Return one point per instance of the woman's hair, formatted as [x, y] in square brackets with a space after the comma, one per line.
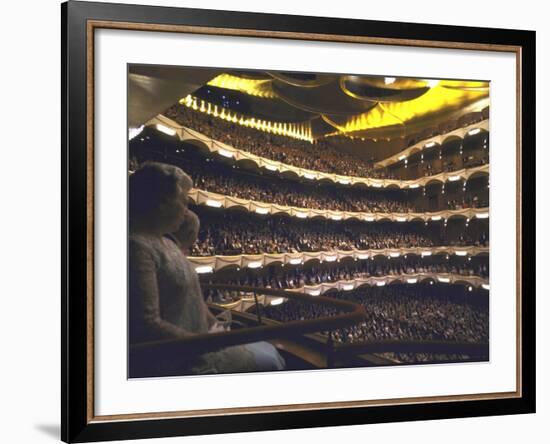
[153, 184]
[188, 230]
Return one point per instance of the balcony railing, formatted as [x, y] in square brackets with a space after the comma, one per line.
[352, 314]
[201, 343]
[229, 152]
[216, 200]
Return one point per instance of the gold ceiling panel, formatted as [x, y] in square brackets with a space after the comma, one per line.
[375, 118]
[253, 87]
[437, 100]
[465, 85]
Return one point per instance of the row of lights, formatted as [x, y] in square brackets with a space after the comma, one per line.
[299, 131]
[406, 161]
[172, 132]
[431, 144]
[204, 269]
[218, 204]
[349, 287]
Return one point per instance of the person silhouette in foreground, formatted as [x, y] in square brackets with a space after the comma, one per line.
[165, 298]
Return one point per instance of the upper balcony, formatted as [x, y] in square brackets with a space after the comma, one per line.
[188, 135]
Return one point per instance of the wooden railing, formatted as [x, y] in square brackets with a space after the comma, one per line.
[351, 314]
[201, 343]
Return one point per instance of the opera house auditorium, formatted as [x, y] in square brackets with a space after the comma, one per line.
[283, 221]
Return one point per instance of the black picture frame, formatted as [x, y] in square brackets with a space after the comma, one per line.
[77, 422]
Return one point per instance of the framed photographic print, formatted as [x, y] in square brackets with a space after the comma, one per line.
[277, 221]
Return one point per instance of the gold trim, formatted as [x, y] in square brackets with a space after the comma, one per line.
[91, 26]
[301, 407]
[298, 36]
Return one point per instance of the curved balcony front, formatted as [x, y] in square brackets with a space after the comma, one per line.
[459, 133]
[215, 200]
[248, 299]
[170, 127]
[208, 264]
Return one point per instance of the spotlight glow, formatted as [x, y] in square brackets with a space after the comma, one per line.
[213, 203]
[225, 153]
[166, 130]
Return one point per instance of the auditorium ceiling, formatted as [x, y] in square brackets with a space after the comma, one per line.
[358, 106]
[378, 109]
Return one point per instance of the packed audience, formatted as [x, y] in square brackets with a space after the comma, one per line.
[218, 177]
[232, 233]
[432, 168]
[290, 278]
[448, 126]
[468, 201]
[318, 156]
[398, 312]
[321, 155]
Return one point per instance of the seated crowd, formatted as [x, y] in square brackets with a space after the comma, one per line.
[428, 168]
[232, 233]
[221, 178]
[218, 177]
[290, 278]
[322, 155]
[448, 126]
[318, 156]
[467, 202]
[398, 312]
